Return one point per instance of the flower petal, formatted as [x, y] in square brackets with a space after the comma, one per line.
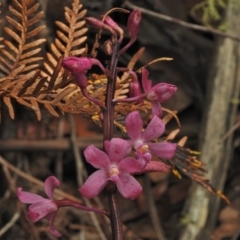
[129, 149]
[94, 184]
[41, 209]
[156, 108]
[27, 197]
[106, 146]
[164, 91]
[131, 165]
[156, 166]
[96, 157]
[134, 125]
[163, 150]
[118, 149]
[128, 186]
[49, 185]
[154, 129]
[52, 229]
[80, 79]
[146, 83]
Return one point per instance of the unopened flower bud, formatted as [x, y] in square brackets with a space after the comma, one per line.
[110, 22]
[134, 86]
[77, 64]
[94, 22]
[133, 23]
[134, 89]
[80, 64]
[162, 92]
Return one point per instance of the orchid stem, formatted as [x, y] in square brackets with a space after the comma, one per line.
[108, 122]
[67, 203]
[85, 94]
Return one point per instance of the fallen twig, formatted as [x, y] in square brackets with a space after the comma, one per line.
[180, 22]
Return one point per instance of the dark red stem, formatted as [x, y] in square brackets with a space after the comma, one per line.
[108, 121]
[68, 203]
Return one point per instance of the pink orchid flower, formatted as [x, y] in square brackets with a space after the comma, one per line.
[113, 166]
[77, 66]
[141, 141]
[157, 94]
[42, 207]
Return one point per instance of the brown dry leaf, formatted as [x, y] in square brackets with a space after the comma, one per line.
[9, 105]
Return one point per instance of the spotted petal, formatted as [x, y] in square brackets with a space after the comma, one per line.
[156, 108]
[130, 165]
[118, 149]
[96, 157]
[163, 150]
[156, 166]
[154, 129]
[128, 186]
[106, 146]
[94, 184]
[134, 125]
[146, 83]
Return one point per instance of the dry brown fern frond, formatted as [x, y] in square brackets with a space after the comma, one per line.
[35, 88]
[65, 96]
[69, 37]
[19, 54]
[55, 89]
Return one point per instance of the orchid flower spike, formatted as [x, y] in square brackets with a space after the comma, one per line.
[42, 207]
[141, 141]
[157, 94]
[113, 166]
[47, 207]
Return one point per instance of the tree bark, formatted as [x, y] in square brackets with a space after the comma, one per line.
[224, 85]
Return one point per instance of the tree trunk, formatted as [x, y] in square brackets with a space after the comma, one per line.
[224, 85]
